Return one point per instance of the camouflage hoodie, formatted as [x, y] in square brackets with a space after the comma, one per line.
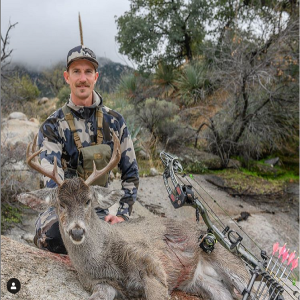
[56, 139]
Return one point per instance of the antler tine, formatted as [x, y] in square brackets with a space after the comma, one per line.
[115, 158]
[33, 148]
[34, 164]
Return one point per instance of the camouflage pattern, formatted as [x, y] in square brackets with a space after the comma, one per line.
[44, 222]
[82, 52]
[56, 140]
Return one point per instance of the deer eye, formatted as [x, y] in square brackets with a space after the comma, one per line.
[62, 206]
[88, 202]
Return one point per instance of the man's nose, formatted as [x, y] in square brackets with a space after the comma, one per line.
[82, 77]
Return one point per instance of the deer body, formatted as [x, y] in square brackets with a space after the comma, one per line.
[138, 259]
[141, 258]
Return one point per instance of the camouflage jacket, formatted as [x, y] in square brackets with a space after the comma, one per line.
[56, 139]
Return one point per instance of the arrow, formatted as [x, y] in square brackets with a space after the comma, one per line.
[275, 249]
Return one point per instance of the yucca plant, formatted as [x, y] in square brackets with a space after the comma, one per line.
[134, 131]
[192, 83]
[165, 76]
[128, 85]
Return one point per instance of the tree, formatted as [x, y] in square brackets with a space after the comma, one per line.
[53, 78]
[6, 52]
[259, 71]
[168, 31]
[15, 88]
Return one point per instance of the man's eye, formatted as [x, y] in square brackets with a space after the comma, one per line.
[88, 202]
[62, 206]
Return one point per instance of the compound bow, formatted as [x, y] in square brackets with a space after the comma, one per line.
[270, 271]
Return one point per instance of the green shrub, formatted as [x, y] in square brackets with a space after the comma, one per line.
[63, 96]
[9, 216]
[196, 167]
[12, 184]
[28, 90]
[161, 119]
[16, 91]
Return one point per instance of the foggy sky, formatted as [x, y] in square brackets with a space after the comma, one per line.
[48, 29]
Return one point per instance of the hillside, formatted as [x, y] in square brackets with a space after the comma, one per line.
[109, 75]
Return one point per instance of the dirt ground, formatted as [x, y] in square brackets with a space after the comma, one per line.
[270, 220]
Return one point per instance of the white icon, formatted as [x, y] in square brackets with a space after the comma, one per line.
[13, 287]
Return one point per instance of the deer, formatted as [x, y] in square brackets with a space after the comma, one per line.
[143, 258]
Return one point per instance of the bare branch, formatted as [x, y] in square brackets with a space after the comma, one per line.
[6, 52]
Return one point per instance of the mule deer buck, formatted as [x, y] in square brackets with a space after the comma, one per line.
[140, 258]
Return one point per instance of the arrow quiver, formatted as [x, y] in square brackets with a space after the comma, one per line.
[271, 286]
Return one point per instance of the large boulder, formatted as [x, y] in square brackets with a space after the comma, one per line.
[190, 157]
[16, 115]
[15, 131]
[43, 275]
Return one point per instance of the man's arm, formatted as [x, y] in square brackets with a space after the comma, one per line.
[50, 143]
[130, 174]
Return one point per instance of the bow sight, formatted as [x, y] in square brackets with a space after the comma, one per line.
[271, 286]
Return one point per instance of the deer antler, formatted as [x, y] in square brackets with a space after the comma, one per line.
[34, 164]
[115, 158]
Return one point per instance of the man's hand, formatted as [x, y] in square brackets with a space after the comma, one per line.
[113, 219]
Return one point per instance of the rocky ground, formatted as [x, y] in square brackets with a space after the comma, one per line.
[269, 221]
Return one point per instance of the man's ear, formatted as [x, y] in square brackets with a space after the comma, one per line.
[39, 200]
[96, 76]
[66, 76]
[104, 197]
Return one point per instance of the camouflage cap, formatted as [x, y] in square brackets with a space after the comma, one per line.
[81, 52]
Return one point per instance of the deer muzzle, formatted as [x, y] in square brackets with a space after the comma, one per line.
[77, 235]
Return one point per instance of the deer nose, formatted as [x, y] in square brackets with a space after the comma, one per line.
[77, 234]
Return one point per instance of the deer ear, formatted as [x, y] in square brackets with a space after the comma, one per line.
[39, 200]
[105, 197]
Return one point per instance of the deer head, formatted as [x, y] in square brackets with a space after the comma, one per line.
[73, 199]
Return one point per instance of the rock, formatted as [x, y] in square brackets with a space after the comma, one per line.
[28, 237]
[18, 116]
[43, 275]
[243, 217]
[215, 180]
[43, 100]
[143, 155]
[190, 157]
[16, 130]
[153, 172]
[266, 170]
[273, 161]
[34, 120]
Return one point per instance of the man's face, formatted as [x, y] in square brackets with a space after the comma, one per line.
[81, 77]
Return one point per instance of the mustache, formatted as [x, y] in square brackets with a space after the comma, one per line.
[80, 85]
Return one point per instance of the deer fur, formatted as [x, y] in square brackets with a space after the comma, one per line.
[143, 258]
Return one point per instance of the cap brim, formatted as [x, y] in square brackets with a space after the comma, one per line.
[94, 62]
